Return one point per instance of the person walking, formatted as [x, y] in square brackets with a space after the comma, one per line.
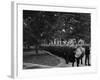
[79, 53]
[87, 56]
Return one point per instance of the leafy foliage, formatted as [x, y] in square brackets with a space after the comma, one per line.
[43, 25]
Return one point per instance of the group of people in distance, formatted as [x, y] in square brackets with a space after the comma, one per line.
[78, 53]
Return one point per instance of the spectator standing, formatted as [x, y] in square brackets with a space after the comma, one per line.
[87, 56]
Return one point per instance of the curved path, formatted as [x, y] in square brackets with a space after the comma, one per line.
[32, 65]
[61, 64]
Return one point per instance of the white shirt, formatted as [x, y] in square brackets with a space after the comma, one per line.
[79, 51]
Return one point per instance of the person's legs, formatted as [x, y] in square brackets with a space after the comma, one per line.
[77, 60]
[81, 60]
[86, 59]
[73, 59]
[72, 64]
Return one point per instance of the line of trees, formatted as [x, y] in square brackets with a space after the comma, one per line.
[43, 25]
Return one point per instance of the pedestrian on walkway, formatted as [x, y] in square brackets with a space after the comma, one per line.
[87, 55]
[79, 53]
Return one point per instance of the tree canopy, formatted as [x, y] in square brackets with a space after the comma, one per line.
[44, 25]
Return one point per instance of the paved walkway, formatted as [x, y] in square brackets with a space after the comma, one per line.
[28, 65]
[61, 64]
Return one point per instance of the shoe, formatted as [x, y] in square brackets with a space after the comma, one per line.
[89, 64]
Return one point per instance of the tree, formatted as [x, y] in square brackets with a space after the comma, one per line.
[37, 27]
[43, 25]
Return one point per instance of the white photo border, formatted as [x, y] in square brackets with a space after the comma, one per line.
[17, 52]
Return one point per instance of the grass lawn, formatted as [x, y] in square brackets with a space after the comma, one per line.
[42, 59]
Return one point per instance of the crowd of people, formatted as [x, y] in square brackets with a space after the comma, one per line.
[77, 54]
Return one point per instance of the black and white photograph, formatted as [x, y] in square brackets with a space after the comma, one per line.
[54, 39]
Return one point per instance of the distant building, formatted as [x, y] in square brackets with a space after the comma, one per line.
[71, 42]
